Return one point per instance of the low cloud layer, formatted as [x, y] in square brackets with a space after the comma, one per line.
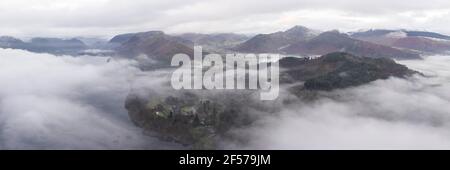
[50, 102]
[386, 114]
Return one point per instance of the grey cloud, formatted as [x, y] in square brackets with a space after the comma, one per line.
[108, 17]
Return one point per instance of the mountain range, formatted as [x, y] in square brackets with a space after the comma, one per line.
[45, 45]
[296, 41]
[419, 41]
[305, 42]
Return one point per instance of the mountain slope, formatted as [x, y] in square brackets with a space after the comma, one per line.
[219, 43]
[421, 41]
[340, 70]
[333, 41]
[156, 45]
[275, 42]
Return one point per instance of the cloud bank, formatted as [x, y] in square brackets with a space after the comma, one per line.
[49, 102]
[386, 114]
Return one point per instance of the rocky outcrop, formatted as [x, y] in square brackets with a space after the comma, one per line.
[194, 120]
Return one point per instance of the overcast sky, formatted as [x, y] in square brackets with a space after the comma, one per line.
[64, 18]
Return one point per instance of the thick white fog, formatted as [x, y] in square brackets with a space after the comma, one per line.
[50, 102]
[386, 114]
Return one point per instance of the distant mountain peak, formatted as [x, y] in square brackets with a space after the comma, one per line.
[155, 44]
[272, 43]
[122, 38]
[298, 28]
[332, 35]
[301, 32]
[151, 33]
[9, 39]
[335, 33]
